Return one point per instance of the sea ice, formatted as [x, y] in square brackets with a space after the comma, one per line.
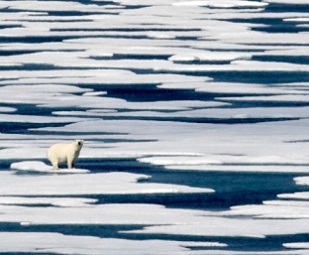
[32, 242]
[296, 195]
[302, 180]
[43, 201]
[222, 3]
[79, 183]
[287, 1]
[68, 66]
[297, 245]
[7, 109]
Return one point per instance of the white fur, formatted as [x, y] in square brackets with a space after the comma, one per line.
[64, 152]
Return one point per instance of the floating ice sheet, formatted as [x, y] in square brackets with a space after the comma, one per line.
[54, 6]
[302, 245]
[43, 201]
[222, 3]
[232, 227]
[32, 242]
[231, 146]
[163, 220]
[66, 58]
[7, 109]
[71, 182]
[302, 180]
[274, 209]
[287, 1]
[296, 195]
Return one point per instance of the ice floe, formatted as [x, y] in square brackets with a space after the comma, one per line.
[164, 220]
[44, 201]
[222, 4]
[74, 70]
[39, 166]
[296, 195]
[220, 226]
[286, 1]
[32, 242]
[79, 183]
[226, 146]
[43, 6]
[7, 109]
[274, 209]
[296, 245]
[302, 180]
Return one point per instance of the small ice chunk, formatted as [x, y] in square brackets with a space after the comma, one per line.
[31, 166]
[39, 166]
[296, 245]
[7, 109]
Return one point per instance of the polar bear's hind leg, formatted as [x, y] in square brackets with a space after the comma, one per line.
[56, 165]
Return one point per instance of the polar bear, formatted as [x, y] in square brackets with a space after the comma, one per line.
[64, 152]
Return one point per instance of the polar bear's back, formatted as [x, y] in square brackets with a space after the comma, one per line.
[59, 151]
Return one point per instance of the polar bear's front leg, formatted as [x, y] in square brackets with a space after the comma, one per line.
[70, 163]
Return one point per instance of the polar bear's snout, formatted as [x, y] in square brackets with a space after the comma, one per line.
[80, 142]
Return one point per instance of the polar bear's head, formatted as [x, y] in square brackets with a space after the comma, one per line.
[79, 143]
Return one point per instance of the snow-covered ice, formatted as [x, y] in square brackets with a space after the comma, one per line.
[164, 93]
[66, 244]
[38, 166]
[76, 182]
